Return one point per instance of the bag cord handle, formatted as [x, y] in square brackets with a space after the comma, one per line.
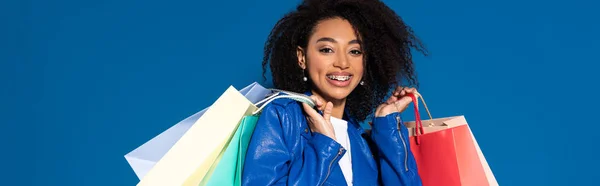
[419, 124]
[291, 95]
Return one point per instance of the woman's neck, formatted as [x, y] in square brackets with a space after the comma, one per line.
[338, 105]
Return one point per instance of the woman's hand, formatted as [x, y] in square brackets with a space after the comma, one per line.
[398, 102]
[318, 123]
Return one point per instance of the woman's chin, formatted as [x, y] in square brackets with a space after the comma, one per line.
[338, 94]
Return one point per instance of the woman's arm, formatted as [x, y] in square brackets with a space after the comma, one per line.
[269, 157]
[397, 164]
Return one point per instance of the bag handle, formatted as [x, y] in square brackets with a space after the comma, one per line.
[415, 97]
[289, 92]
[418, 122]
[291, 95]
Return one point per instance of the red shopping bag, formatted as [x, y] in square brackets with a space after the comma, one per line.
[446, 151]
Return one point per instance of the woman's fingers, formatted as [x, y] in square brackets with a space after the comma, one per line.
[400, 92]
[397, 91]
[310, 111]
[392, 99]
[327, 111]
[403, 103]
[318, 102]
[311, 115]
[318, 123]
[407, 91]
[397, 102]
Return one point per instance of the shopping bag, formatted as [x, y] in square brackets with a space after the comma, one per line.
[446, 151]
[191, 157]
[229, 168]
[144, 157]
[194, 156]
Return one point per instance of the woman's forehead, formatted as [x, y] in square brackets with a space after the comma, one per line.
[337, 29]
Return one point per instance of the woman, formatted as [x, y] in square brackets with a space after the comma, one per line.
[348, 55]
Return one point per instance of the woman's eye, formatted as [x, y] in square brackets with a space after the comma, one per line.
[326, 50]
[356, 52]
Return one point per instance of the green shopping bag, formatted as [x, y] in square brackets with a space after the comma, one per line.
[228, 170]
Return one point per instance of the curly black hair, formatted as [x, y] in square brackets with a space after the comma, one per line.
[385, 38]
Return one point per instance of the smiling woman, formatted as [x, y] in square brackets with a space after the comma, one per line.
[347, 55]
[336, 61]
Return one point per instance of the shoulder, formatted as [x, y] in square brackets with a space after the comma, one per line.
[286, 114]
[285, 102]
[281, 108]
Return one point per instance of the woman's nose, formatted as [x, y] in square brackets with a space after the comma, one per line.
[341, 61]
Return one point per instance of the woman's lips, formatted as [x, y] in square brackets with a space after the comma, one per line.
[339, 81]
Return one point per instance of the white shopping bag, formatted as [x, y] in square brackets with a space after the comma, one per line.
[143, 158]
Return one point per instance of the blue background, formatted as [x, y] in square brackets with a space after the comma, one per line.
[83, 83]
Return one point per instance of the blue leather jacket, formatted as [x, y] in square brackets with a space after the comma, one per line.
[284, 151]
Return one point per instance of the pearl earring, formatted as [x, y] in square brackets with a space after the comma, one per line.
[304, 78]
[362, 83]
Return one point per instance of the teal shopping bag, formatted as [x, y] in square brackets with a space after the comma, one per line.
[228, 170]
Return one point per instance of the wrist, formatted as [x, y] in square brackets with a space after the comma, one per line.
[328, 134]
[385, 114]
[387, 122]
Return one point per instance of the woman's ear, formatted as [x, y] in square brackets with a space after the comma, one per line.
[300, 53]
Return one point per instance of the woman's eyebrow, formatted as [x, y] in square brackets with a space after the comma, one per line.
[328, 39]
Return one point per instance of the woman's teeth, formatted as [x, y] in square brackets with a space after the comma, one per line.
[339, 78]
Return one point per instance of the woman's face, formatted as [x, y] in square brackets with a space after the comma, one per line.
[333, 59]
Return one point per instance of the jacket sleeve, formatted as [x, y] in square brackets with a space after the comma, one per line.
[268, 158]
[397, 165]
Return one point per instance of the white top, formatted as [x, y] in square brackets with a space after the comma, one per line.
[340, 128]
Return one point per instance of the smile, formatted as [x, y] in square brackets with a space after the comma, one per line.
[339, 78]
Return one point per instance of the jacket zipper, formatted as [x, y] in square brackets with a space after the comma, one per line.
[331, 164]
[403, 143]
